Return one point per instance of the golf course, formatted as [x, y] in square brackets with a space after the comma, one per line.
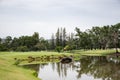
[10, 71]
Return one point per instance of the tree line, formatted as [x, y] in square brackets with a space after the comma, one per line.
[23, 43]
[99, 37]
[105, 37]
[96, 38]
[62, 40]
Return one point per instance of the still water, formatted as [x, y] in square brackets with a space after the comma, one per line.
[87, 68]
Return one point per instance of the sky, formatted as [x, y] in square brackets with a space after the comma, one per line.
[24, 17]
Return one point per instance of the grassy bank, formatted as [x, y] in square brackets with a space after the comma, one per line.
[95, 52]
[9, 71]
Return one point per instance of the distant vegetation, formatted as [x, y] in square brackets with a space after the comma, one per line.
[105, 37]
[92, 42]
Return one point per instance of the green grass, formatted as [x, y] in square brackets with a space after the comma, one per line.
[12, 72]
[96, 52]
[8, 71]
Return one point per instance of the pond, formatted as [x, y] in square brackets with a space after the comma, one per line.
[87, 68]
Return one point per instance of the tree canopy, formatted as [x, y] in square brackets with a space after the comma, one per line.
[99, 37]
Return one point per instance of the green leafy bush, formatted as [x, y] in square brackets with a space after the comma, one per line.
[58, 49]
[22, 48]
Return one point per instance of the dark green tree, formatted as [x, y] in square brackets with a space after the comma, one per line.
[64, 37]
[42, 45]
[52, 44]
[61, 37]
[58, 38]
[22, 48]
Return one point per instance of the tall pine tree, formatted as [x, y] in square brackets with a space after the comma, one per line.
[58, 38]
[64, 37]
[52, 42]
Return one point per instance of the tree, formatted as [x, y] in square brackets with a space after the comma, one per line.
[96, 37]
[64, 37]
[83, 39]
[28, 41]
[8, 41]
[22, 48]
[58, 48]
[61, 37]
[99, 37]
[15, 43]
[58, 38]
[70, 42]
[115, 36]
[0, 40]
[42, 45]
[36, 37]
[52, 44]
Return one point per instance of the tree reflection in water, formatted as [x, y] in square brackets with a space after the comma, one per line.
[102, 68]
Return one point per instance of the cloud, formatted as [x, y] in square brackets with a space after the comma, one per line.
[38, 15]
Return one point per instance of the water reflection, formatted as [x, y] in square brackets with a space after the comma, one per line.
[87, 68]
[58, 71]
[101, 67]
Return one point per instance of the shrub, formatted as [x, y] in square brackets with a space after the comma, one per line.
[58, 49]
[22, 48]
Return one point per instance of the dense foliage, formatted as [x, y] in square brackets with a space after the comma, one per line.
[105, 37]
[99, 37]
[23, 43]
[96, 38]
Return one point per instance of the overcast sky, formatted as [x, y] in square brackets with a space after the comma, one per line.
[24, 17]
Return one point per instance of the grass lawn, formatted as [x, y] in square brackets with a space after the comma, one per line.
[96, 52]
[8, 71]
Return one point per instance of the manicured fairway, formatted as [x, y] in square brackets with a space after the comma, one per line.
[95, 52]
[9, 71]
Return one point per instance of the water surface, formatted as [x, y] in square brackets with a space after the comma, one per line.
[87, 68]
